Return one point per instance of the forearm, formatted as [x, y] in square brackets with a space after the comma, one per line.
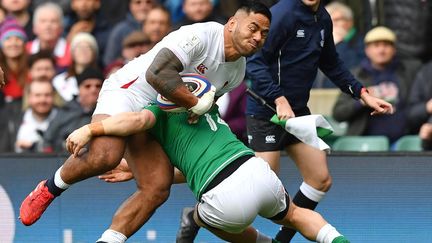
[163, 76]
[123, 124]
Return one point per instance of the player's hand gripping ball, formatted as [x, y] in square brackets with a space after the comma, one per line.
[197, 85]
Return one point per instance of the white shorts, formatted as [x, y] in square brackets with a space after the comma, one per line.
[113, 100]
[253, 189]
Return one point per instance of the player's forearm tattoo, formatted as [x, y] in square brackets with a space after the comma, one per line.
[163, 73]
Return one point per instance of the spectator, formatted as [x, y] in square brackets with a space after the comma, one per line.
[84, 51]
[420, 106]
[362, 13]
[76, 112]
[410, 20]
[138, 10]
[157, 24]
[348, 41]
[36, 118]
[13, 60]
[48, 28]
[42, 66]
[20, 10]
[197, 11]
[385, 76]
[135, 44]
[64, 4]
[86, 17]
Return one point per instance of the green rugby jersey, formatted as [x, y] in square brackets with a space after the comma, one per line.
[199, 150]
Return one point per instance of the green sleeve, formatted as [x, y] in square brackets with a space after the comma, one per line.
[157, 112]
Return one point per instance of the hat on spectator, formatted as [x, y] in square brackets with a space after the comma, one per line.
[135, 38]
[380, 33]
[10, 27]
[89, 73]
[84, 37]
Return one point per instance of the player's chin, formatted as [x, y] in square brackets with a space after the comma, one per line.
[249, 52]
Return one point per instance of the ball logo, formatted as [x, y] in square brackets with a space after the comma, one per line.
[195, 83]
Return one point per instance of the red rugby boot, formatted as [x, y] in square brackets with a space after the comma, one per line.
[35, 204]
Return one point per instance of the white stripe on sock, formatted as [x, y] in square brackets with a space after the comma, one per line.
[58, 180]
[311, 193]
[112, 236]
[327, 234]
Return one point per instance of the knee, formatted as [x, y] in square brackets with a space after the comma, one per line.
[321, 183]
[155, 195]
[104, 160]
[325, 183]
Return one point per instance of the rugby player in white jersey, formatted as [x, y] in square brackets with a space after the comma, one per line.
[209, 49]
[230, 183]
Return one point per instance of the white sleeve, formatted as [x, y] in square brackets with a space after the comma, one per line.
[189, 45]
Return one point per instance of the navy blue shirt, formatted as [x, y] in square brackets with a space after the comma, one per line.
[299, 42]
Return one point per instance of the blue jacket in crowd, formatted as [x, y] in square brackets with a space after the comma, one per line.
[299, 42]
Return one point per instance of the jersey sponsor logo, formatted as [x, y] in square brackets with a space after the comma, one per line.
[188, 44]
[300, 34]
[126, 85]
[270, 139]
[201, 68]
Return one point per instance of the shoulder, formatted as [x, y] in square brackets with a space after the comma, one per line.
[205, 32]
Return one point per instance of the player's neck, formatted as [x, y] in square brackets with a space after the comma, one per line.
[231, 54]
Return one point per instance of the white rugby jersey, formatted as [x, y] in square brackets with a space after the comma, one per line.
[200, 48]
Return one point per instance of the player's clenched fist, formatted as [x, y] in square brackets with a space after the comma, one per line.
[205, 102]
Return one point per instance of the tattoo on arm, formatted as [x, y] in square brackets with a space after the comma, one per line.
[163, 73]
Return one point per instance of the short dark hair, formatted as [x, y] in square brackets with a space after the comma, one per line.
[43, 54]
[254, 6]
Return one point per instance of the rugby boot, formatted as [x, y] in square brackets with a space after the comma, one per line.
[188, 228]
[35, 204]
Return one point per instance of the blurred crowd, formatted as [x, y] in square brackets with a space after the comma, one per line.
[56, 55]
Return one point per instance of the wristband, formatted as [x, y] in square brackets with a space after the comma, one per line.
[96, 128]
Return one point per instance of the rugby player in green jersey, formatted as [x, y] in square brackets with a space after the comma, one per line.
[232, 186]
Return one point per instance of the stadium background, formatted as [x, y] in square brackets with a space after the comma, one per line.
[376, 197]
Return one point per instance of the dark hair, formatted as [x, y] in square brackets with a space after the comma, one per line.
[253, 6]
[43, 54]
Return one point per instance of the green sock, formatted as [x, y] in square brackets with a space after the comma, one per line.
[275, 241]
[340, 239]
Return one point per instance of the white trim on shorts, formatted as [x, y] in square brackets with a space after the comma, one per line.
[253, 189]
[112, 101]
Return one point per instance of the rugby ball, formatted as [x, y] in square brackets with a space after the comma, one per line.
[196, 84]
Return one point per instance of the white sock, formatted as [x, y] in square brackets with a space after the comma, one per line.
[261, 238]
[311, 193]
[327, 234]
[112, 236]
[58, 180]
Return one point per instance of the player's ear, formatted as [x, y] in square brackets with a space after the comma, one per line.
[231, 23]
